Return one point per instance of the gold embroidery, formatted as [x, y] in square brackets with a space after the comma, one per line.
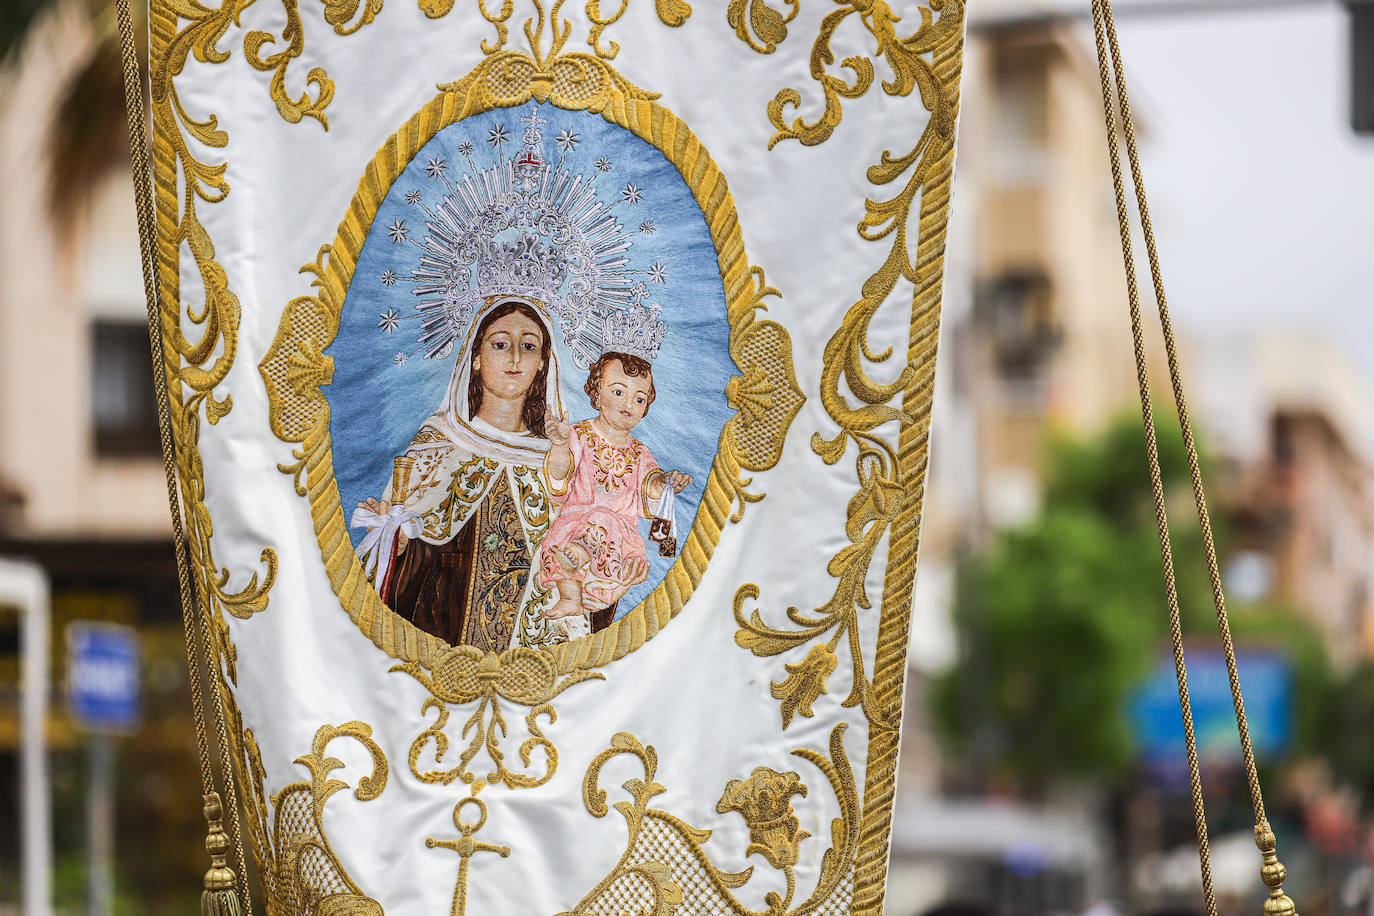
[805, 681]
[337, 13]
[750, 441]
[905, 55]
[195, 368]
[665, 856]
[762, 20]
[670, 12]
[612, 463]
[301, 873]
[891, 479]
[887, 485]
[523, 676]
[534, 505]
[469, 483]
[466, 847]
[180, 175]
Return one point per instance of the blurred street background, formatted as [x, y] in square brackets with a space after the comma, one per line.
[1043, 761]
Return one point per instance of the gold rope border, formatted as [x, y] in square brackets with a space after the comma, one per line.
[622, 105]
[913, 451]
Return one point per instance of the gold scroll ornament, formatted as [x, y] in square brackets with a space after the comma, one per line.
[301, 873]
[665, 868]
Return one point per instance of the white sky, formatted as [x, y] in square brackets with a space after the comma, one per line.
[1263, 197]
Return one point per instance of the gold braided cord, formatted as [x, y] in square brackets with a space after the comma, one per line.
[1156, 475]
[1175, 378]
[913, 450]
[199, 659]
[1272, 872]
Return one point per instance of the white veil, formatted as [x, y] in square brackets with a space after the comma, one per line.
[448, 441]
[477, 436]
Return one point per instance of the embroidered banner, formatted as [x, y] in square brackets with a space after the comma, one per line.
[551, 388]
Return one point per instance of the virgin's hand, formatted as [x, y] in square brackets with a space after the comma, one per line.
[679, 480]
[383, 507]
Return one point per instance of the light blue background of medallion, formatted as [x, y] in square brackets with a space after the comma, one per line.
[376, 405]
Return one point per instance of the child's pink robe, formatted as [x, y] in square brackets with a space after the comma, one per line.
[600, 508]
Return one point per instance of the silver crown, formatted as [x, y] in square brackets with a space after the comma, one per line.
[638, 331]
[531, 228]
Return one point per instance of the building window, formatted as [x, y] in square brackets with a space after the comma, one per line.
[1013, 313]
[124, 414]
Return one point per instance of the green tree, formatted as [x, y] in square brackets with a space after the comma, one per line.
[1063, 617]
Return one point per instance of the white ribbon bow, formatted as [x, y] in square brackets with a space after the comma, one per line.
[376, 548]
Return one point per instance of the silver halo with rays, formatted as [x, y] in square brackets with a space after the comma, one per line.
[529, 228]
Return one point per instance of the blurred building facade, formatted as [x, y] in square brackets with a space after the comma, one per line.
[1288, 417]
[1036, 341]
[82, 487]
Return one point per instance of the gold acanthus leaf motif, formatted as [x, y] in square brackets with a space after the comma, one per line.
[870, 514]
[755, 17]
[520, 675]
[804, 683]
[666, 864]
[904, 54]
[886, 488]
[338, 13]
[196, 367]
[301, 873]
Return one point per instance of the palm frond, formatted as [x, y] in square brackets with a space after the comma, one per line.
[88, 138]
[18, 20]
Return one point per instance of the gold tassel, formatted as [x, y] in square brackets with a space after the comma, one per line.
[1273, 873]
[221, 895]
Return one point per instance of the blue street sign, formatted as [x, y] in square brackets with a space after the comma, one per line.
[1265, 678]
[103, 677]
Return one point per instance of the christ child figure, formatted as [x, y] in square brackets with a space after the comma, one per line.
[604, 480]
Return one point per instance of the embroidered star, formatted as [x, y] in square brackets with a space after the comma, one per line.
[437, 167]
[391, 320]
[398, 231]
[658, 273]
[465, 148]
[603, 164]
[647, 227]
[498, 135]
[632, 194]
[400, 358]
[388, 277]
[413, 197]
[567, 140]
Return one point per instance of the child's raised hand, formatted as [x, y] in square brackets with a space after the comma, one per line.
[558, 430]
[679, 480]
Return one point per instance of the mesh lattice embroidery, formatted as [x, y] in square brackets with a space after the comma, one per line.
[767, 414]
[702, 895]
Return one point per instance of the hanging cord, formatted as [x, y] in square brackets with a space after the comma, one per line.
[1271, 871]
[224, 888]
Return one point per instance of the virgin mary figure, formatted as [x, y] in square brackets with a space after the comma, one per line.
[451, 541]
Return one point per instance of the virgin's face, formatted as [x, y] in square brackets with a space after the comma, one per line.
[508, 356]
